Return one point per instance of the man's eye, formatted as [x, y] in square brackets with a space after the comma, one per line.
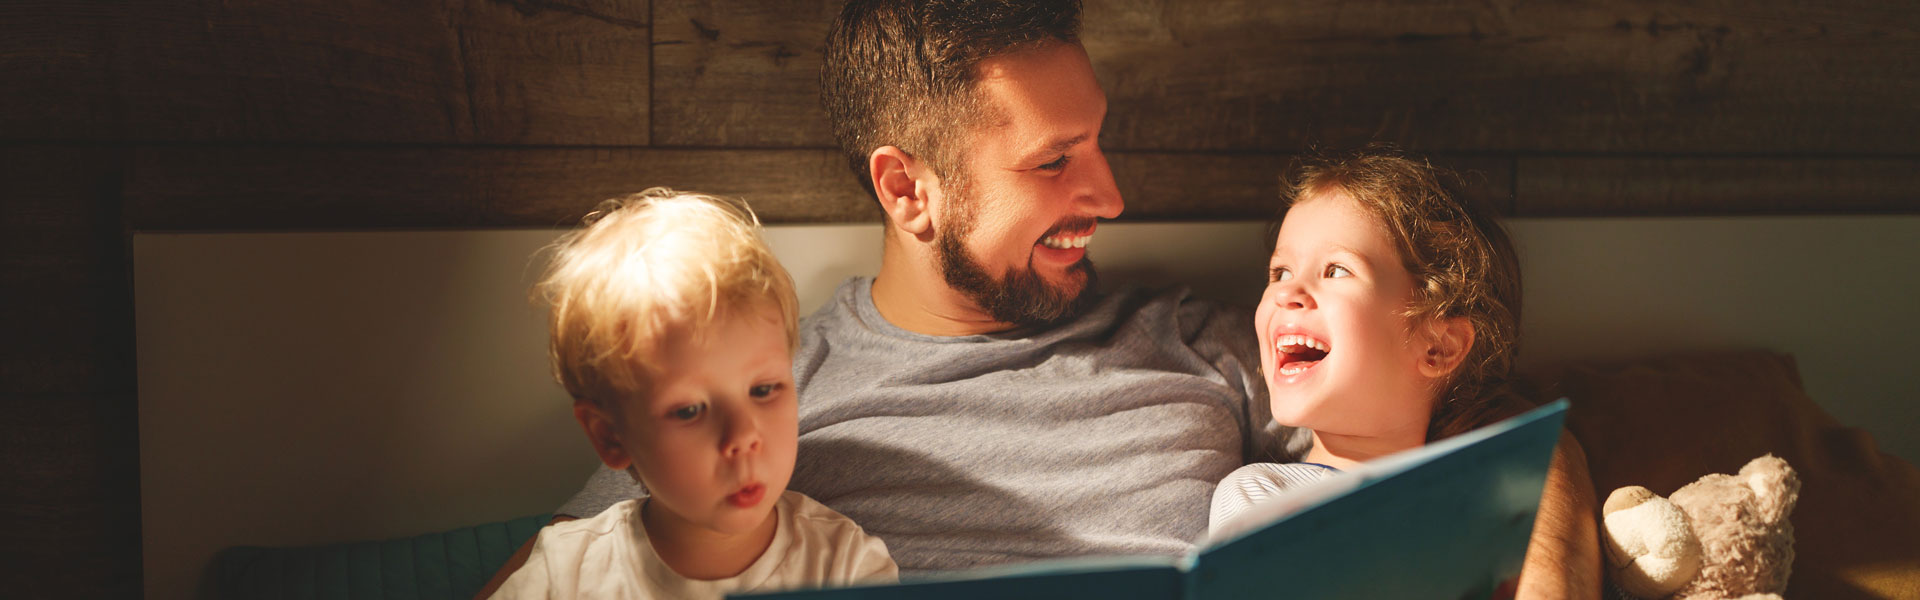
[1279, 274]
[1057, 164]
[763, 390]
[689, 412]
[1337, 271]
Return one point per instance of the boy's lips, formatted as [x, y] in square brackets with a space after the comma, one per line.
[748, 496]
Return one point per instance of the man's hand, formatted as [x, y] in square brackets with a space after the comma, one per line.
[1563, 557]
[520, 558]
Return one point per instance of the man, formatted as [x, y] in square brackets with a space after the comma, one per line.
[977, 402]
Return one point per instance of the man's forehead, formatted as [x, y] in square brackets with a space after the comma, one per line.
[1049, 90]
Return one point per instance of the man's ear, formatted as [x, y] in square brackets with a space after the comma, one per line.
[604, 432]
[903, 184]
[1448, 341]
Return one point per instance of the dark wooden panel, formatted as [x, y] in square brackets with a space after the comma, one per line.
[69, 447]
[54, 62]
[277, 188]
[1776, 76]
[740, 73]
[1603, 186]
[363, 70]
[1636, 76]
[1197, 186]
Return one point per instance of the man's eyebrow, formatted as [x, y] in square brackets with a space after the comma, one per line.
[1056, 147]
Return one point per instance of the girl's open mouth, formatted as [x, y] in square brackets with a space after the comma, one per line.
[1295, 353]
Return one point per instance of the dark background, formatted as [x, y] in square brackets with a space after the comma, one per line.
[260, 115]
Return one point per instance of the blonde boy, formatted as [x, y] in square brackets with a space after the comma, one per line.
[673, 328]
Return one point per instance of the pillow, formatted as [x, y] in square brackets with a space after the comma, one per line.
[1664, 423]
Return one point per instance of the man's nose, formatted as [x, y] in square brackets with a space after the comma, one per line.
[1098, 194]
[741, 436]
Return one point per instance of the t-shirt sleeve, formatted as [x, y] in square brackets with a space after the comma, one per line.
[606, 487]
[1224, 336]
[533, 579]
[869, 562]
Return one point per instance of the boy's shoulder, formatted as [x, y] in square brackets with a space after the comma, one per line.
[811, 518]
[615, 525]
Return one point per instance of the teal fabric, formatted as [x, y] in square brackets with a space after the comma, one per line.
[450, 565]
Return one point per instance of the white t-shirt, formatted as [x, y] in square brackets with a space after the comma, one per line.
[608, 556]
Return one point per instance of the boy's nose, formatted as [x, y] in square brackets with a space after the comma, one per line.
[742, 435]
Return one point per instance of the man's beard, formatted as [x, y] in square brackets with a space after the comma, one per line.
[1020, 296]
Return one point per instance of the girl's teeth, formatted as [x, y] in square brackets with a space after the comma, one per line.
[1298, 340]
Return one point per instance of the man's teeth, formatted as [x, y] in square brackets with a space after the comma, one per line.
[1061, 242]
[1284, 341]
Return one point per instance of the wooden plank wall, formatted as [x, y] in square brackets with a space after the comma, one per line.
[361, 114]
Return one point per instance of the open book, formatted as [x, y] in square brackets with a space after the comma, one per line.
[1448, 520]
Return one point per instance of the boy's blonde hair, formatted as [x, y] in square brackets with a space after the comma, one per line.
[645, 271]
[1462, 262]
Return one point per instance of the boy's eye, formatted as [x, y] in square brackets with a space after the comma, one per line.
[763, 390]
[1057, 164]
[689, 412]
[1337, 271]
[1279, 274]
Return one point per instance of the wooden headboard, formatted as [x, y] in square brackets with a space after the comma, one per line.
[259, 115]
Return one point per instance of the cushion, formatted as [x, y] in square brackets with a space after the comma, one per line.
[446, 565]
[1664, 423]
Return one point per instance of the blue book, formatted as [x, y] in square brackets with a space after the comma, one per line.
[1447, 520]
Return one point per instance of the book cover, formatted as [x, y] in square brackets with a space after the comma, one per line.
[1447, 520]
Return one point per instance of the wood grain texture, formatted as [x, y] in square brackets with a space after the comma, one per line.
[477, 71]
[1199, 187]
[69, 449]
[277, 188]
[1614, 76]
[1701, 186]
[740, 73]
[273, 188]
[1253, 75]
[54, 59]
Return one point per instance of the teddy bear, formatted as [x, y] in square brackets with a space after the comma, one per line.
[1724, 536]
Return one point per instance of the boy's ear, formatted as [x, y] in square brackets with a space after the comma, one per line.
[604, 432]
[903, 184]
[1448, 341]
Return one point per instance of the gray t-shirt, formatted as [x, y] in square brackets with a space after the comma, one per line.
[1103, 434]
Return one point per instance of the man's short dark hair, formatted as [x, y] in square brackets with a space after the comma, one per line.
[901, 72]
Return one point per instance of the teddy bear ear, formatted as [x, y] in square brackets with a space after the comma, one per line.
[1775, 485]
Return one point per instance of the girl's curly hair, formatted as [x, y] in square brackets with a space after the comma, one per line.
[1462, 262]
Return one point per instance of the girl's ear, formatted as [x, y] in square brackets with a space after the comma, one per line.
[1448, 341]
[604, 432]
[904, 186]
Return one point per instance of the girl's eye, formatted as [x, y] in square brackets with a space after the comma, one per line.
[1057, 164]
[1338, 271]
[689, 412]
[1277, 274]
[763, 390]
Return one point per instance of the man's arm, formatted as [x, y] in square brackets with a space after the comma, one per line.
[513, 563]
[1563, 557]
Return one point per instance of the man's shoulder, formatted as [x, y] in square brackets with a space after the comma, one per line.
[1173, 304]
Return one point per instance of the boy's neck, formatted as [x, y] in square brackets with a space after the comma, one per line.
[703, 554]
[1344, 452]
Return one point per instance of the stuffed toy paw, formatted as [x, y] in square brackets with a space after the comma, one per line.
[1724, 536]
